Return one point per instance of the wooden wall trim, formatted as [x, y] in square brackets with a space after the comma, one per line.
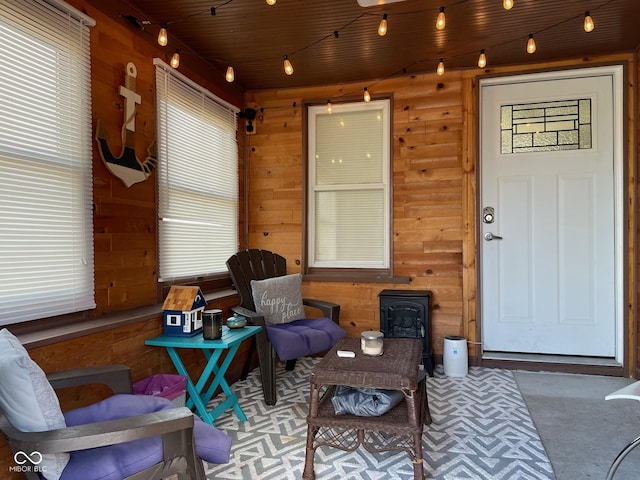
[469, 201]
[632, 215]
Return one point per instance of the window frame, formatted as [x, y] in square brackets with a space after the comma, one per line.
[58, 30]
[347, 273]
[208, 281]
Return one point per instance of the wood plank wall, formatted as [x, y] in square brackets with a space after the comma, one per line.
[434, 192]
[427, 193]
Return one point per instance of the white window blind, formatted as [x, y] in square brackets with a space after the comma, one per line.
[197, 175]
[348, 191]
[46, 219]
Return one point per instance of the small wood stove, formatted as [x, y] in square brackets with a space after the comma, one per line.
[406, 314]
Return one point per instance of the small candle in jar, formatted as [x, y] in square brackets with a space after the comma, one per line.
[371, 342]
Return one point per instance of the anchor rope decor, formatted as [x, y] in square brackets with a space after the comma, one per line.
[127, 167]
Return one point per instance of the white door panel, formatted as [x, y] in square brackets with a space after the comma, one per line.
[548, 285]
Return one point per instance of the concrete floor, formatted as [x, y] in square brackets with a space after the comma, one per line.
[581, 431]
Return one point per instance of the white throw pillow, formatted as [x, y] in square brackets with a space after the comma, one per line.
[279, 299]
[28, 400]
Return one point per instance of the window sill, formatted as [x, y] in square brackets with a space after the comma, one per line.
[354, 278]
[58, 333]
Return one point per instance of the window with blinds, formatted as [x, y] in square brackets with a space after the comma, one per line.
[197, 177]
[348, 193]
[46, 196]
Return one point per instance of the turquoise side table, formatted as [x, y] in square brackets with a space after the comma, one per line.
[212, 350]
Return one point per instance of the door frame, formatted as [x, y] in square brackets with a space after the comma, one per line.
[618, 74]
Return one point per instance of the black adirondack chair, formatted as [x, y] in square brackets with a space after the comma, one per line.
[254, 264]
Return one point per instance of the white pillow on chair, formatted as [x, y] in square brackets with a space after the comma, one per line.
[28, 400]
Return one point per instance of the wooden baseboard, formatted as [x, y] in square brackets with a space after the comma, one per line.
[532, 366]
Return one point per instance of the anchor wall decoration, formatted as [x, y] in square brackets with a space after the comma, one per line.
[127, 167]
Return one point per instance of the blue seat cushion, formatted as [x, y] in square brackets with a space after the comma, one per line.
[301, 338]
[117, 461]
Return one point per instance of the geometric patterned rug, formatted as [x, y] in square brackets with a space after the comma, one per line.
[481, 430]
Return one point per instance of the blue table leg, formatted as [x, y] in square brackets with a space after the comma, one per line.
[219, 380]
[194, 390]
[198, 399]
[210, 368]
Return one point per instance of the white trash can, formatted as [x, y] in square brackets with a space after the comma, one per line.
[455, 356]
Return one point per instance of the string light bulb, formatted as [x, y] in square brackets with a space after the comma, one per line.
[329, 107]
[271, 2]
[382, 28]
[367, 95]
[531, 44]
[507, 4]
[482, 59]
[440, 69]
[588, 22]
[163, 39]
[230, 75]
[288, 68]
[441, 20]
[175, 59]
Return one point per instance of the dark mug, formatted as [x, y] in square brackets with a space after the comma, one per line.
[212, 324]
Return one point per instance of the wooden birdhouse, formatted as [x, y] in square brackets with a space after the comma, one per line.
[183, 309]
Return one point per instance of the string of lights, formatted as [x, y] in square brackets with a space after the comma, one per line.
[382, 30]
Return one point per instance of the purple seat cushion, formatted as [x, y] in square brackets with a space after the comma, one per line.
[117, 461]
[304, 337]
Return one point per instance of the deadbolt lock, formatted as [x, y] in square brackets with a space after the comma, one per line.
[488, 215]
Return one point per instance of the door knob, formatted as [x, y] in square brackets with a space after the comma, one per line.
[490, 236]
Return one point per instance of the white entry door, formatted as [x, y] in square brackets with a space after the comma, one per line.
[547, 213]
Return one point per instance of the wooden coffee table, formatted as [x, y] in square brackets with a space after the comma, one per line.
[398, 368]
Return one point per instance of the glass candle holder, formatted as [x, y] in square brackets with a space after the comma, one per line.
[212, 324]
[371, 342]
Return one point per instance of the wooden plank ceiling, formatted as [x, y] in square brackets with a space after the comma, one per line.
[335, 41]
